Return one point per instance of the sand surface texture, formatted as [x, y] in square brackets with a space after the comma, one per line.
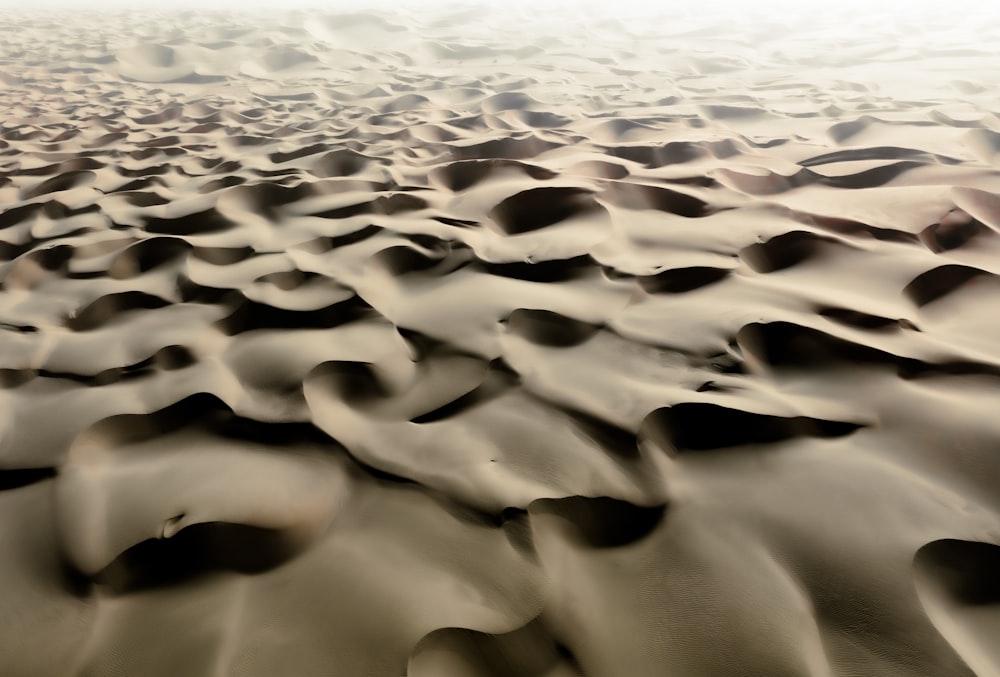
[501, 342]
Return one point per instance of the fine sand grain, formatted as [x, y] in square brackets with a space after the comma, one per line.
[500, 342]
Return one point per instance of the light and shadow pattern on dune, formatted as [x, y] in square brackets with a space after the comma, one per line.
[479, 343]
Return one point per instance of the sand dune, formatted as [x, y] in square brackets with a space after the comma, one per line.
[463, 341]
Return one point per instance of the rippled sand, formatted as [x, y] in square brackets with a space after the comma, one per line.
[461, 343]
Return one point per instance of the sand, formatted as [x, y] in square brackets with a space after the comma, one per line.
[459, 342]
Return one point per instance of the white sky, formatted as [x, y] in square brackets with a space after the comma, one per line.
[854, 15]
[611, 6]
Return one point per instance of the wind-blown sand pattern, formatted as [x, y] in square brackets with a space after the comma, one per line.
[461, 343]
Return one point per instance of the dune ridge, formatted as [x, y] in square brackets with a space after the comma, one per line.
[469, 342]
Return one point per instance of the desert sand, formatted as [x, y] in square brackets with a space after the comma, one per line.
[523, 341]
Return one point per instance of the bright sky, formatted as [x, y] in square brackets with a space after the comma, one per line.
[855, 15]
[610, 5]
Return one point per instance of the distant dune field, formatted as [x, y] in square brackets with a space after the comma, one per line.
[512, 341]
